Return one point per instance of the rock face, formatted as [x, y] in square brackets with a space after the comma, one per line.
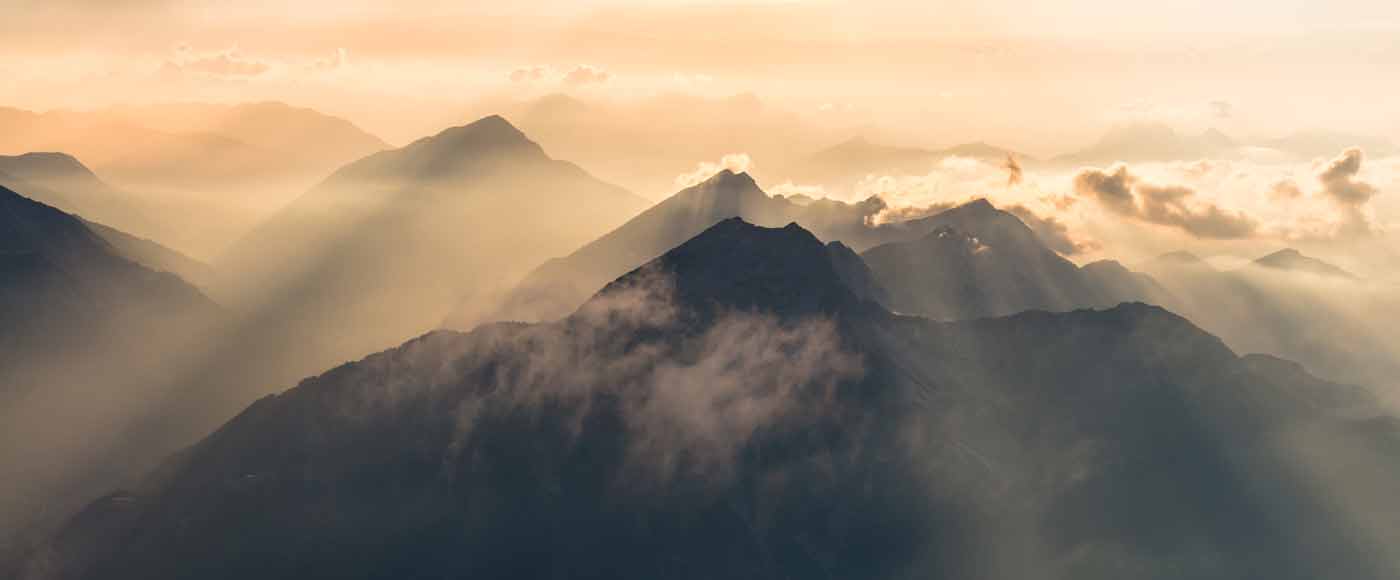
[734, 409]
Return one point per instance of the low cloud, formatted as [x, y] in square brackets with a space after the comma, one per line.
[690, 398]
[1342, 187]
[736, 162]
[529, 74]
[586, 75]
[1052, 232]
[223, 64]
[1178, 206]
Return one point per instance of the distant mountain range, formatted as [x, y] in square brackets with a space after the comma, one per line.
[1143, 142]
[190, 145]
[1291, 260]
[732, 408]
[1021, 265]
[202, 173]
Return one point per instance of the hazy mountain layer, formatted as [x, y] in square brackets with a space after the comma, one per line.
[732, 409]
[386, 246]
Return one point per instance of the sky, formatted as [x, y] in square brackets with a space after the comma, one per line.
[1043, 78]
[1039, 76]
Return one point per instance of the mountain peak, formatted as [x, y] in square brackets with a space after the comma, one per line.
[1292, 260]
[735, 265]
[453, 152]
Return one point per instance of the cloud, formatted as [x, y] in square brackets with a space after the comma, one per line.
[690, 398]
[736, 162]
[586, 75]
[1014, 175]
[224, 64]
[337, 61]
[1177, 206]
[1284, 190]
[1341, 186]
[1221, 109]
[529, 74]
[1052, 232]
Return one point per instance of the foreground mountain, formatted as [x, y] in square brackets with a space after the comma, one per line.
[1291, 260]
[387, 245]
[561, 285]
[980, 261]
[86, 335]
[732, 409]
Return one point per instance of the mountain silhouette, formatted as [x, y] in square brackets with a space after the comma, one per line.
[1289, 259]
[389, 244]
[731, 409]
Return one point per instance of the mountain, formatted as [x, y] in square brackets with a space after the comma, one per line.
[152, 255]
[980, 261]
[1151, 142]
[204, 174]
[86, 336]
[1291, 260]
[731, 409]
[188, 144]
[387, 245]
[560, 285]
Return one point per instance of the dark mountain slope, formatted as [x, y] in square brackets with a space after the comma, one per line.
[730, 409]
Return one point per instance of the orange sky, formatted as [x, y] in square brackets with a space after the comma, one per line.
[1034, 76]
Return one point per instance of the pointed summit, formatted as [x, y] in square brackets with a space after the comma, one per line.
[740, 266]
[451, 153]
